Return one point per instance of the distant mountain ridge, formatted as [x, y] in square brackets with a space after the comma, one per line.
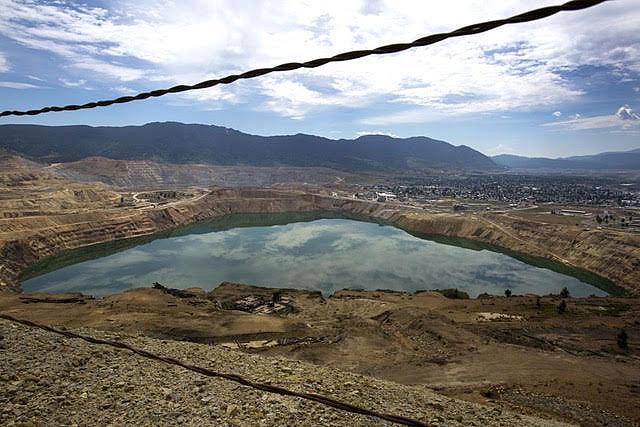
[612, 160]
[191, 143]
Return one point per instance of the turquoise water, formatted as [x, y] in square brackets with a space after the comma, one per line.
[321, 254]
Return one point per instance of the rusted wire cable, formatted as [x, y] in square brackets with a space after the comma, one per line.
[532, 15]
[334, 403]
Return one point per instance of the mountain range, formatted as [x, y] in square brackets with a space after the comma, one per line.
[194, 143]
[179, 143]
[617, 160]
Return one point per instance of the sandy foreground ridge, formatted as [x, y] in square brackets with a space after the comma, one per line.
[51, 379]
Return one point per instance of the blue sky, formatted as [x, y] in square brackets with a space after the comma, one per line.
[567, 85]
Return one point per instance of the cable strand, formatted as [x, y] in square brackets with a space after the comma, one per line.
[478, 28]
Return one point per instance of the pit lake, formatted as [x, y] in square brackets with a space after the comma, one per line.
[307, 251]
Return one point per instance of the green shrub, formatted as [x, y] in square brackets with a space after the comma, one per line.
[453, 293]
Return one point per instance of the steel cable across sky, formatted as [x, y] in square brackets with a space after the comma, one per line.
[532, 15]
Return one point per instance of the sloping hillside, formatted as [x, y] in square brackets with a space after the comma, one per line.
[61, 381]
[192, 143]
[623, 160]
[150, 174]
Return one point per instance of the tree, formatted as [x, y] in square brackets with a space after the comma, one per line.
[276, 297]
[622, 339]
[564, 293]
[598, 219]
[507, 293]
[562, 307]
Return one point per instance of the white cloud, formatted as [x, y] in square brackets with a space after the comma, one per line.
[4, 64]
[557, 113]
[111, 69]
[292, 98]
[162, 43]
[626, 113]
[73, 83]
[625, 119]
[375, 132]
[501, 149]
[124, 90]
[18, 85]
[78, 33]
[293, 237]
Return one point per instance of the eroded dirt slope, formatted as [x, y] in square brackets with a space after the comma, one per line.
[48, 379]
[150, 174]
[515, 354]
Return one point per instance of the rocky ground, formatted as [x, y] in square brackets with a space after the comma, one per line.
[50, 379]
[514, 355]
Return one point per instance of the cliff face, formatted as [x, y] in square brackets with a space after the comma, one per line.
[613, 255]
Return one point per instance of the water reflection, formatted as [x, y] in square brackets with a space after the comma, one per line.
[325, 255]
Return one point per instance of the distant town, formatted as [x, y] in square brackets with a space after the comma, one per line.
[596, 196]
[515, 189]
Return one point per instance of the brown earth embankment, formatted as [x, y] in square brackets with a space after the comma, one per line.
[610, 254]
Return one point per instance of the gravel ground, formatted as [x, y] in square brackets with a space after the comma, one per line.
[52, 380]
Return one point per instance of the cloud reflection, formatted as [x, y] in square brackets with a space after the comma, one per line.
[325, 255]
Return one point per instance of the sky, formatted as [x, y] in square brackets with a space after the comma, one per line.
[566, 85]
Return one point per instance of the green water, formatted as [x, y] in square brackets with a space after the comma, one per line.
[307, 251]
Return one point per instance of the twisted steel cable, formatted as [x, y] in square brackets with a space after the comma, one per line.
[532, 15]
[324, 400]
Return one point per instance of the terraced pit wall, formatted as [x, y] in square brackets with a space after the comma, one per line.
[610, 254]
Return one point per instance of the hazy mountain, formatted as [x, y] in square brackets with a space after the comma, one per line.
[186, 143]
[520, 162]
[617, 160]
